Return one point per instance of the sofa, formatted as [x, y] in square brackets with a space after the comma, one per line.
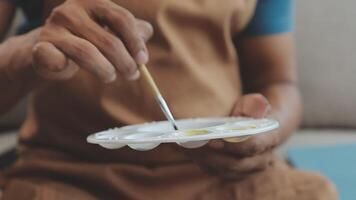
[326, 65]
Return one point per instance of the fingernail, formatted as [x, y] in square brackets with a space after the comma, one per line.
[134, 76]
[141, 57]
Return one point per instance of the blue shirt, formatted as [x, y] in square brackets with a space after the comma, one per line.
[271, 17]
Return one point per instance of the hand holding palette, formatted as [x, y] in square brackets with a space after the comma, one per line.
[192, 133]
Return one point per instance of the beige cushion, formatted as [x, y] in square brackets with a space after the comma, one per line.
[326, 49]
[8, 141]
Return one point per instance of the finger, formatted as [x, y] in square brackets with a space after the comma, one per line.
[254, 145]
[254, 163]
[252, 105]
[123, 23]
[145, 29]
[109, 45]
[85, 55]
[220, 143]
[50, 63]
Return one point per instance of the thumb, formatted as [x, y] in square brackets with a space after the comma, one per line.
[252, 105]
[50, 63]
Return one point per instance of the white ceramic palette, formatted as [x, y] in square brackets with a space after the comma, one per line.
[192, 133]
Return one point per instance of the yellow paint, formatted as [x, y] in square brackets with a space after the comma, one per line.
[236, 139]
[196, 132]
[239, 139]
[242, 128]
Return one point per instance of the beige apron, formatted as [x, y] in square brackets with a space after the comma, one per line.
[195, 64]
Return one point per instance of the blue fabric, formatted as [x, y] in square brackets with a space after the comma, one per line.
[338, 163]
[271, 17]
[33, 11]
[28, 26]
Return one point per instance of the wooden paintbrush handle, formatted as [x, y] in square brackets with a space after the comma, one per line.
[148, 78]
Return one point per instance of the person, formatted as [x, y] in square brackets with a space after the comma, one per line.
[209, 58]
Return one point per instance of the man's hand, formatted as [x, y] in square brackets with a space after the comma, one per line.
[255, 106]
[233, 160]
[96, 35]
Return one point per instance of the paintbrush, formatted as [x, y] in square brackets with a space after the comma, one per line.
[146, 75]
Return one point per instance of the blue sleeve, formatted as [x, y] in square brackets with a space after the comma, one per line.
[271, 17]
[33, 14]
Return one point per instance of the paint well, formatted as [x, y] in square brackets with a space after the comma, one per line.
[182, 125]
[241, 128]
[196, 132]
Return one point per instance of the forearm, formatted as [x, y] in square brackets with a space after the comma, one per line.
[286, 108]
[268, 66]
[16, 75]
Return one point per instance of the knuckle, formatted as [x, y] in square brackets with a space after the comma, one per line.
[127, 15]
[123, 20]
[57, 14]
[65, 15]
[122, 17]
[110, 43]
[103, 6]
[81, 50]
[44, 34]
